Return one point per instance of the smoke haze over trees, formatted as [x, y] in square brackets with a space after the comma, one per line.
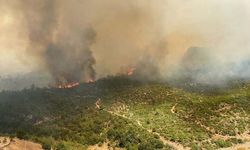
[80, 40]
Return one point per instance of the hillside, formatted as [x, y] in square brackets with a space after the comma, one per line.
[119, 112]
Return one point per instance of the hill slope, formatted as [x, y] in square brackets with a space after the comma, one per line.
[124, 113]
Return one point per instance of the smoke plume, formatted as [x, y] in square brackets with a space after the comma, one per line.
[63, 47]
[74, 39]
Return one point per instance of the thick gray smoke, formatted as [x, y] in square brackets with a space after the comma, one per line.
[154, 36]
[63, 47]
[71, 62]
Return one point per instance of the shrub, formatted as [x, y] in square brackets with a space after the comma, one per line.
[46, 146]
[61, 146]
[222, 143]
[21, 135]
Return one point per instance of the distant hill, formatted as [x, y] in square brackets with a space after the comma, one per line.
[25, 80]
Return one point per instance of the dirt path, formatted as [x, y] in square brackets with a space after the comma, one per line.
[4, 144]
[18, 144]
[244, 146]
[244, 137]
[173, 110]
[175, 145]
[97, 147]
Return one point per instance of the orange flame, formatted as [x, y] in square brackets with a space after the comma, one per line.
[68, 85]
[130, 71]
[127, 70]
[90, 81]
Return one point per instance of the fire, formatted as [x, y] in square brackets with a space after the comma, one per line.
[68, 85]
[90, 81]
[130, 71]
[126, 70]
[72, 84]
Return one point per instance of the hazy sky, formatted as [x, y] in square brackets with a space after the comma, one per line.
[128, 30]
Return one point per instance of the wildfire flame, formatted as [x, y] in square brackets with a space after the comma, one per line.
[126, 70]
[89, 81]
[68, 85]
[72, 84]
[130, 71]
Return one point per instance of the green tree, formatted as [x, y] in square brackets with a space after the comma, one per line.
[61, 146]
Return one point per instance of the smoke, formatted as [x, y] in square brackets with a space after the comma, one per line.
[71, 62]
[63, 47]
[74, 39]
[202, 65]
